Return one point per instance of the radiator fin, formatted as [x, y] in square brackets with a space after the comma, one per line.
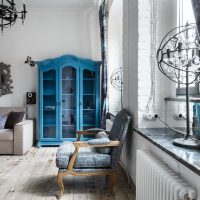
[156, 181]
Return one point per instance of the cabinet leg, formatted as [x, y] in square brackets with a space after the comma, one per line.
[38, 145]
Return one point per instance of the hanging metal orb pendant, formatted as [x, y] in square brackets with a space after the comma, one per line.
[9, 14]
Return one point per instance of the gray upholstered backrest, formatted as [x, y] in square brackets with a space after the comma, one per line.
[118, 132]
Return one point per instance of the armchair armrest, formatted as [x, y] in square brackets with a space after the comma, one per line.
[85, 144]
[24, 122]
[23, 137]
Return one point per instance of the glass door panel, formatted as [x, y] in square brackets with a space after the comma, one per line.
[89, 100]
[69, 102]
[49, 104]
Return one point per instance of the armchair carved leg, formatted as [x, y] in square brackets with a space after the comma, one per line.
[113, 178]
[60, 185]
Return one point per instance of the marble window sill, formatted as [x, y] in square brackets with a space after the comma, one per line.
[162, 138]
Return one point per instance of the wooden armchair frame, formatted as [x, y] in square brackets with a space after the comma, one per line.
[70, 168]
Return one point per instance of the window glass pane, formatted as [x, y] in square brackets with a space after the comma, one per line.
[185, 15]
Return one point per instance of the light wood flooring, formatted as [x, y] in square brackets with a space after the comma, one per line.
[33, 176]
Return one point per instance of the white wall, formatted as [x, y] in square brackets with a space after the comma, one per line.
[165, 22]
[115, 49]
[47, 33]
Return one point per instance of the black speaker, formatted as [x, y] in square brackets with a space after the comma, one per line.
[31, 98]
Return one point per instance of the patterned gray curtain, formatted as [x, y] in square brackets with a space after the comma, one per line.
[196, 9]
[103, 20]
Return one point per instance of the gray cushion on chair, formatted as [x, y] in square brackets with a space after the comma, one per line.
[87, 157]
[101, 138]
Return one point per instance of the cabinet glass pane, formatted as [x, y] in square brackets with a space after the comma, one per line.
[49, 104]
[87, 74]
[49, 132]
[89, 100]
[69, 102]
[89, 87]
[88, 117]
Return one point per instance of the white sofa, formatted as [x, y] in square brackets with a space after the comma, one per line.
[19, 140]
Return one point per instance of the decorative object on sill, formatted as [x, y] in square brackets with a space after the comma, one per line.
[9, 14]
[5, 79]
[116, 80]
[178, 59]
[30, 61]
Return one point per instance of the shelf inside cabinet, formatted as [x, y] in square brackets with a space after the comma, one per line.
[47, 125]
[68, 79]
[89, 79]
[68, 94]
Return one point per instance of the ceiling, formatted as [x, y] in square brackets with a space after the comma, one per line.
[71, 4]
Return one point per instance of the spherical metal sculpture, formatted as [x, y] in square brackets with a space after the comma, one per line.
[116, 79]
[178, 59]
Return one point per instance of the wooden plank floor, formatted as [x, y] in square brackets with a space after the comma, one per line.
[33, 176]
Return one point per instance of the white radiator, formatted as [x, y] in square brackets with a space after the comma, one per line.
[155, 181]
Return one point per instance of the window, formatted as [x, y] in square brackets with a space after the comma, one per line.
[185, 15]
[185, 12]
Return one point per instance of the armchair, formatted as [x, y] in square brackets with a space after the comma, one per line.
[81, 158]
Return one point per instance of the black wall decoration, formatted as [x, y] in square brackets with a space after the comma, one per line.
[5, 79]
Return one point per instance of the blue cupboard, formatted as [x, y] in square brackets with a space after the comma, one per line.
[69, 98]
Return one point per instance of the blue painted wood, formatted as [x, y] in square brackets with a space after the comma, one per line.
[58, 64]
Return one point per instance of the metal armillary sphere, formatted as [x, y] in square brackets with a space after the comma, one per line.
[116, 80]
[178, 58]
[9, 14]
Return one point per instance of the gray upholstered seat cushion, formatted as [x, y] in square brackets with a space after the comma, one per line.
[87, 157]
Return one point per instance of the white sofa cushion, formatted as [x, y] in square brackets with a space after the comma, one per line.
[6, 134]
